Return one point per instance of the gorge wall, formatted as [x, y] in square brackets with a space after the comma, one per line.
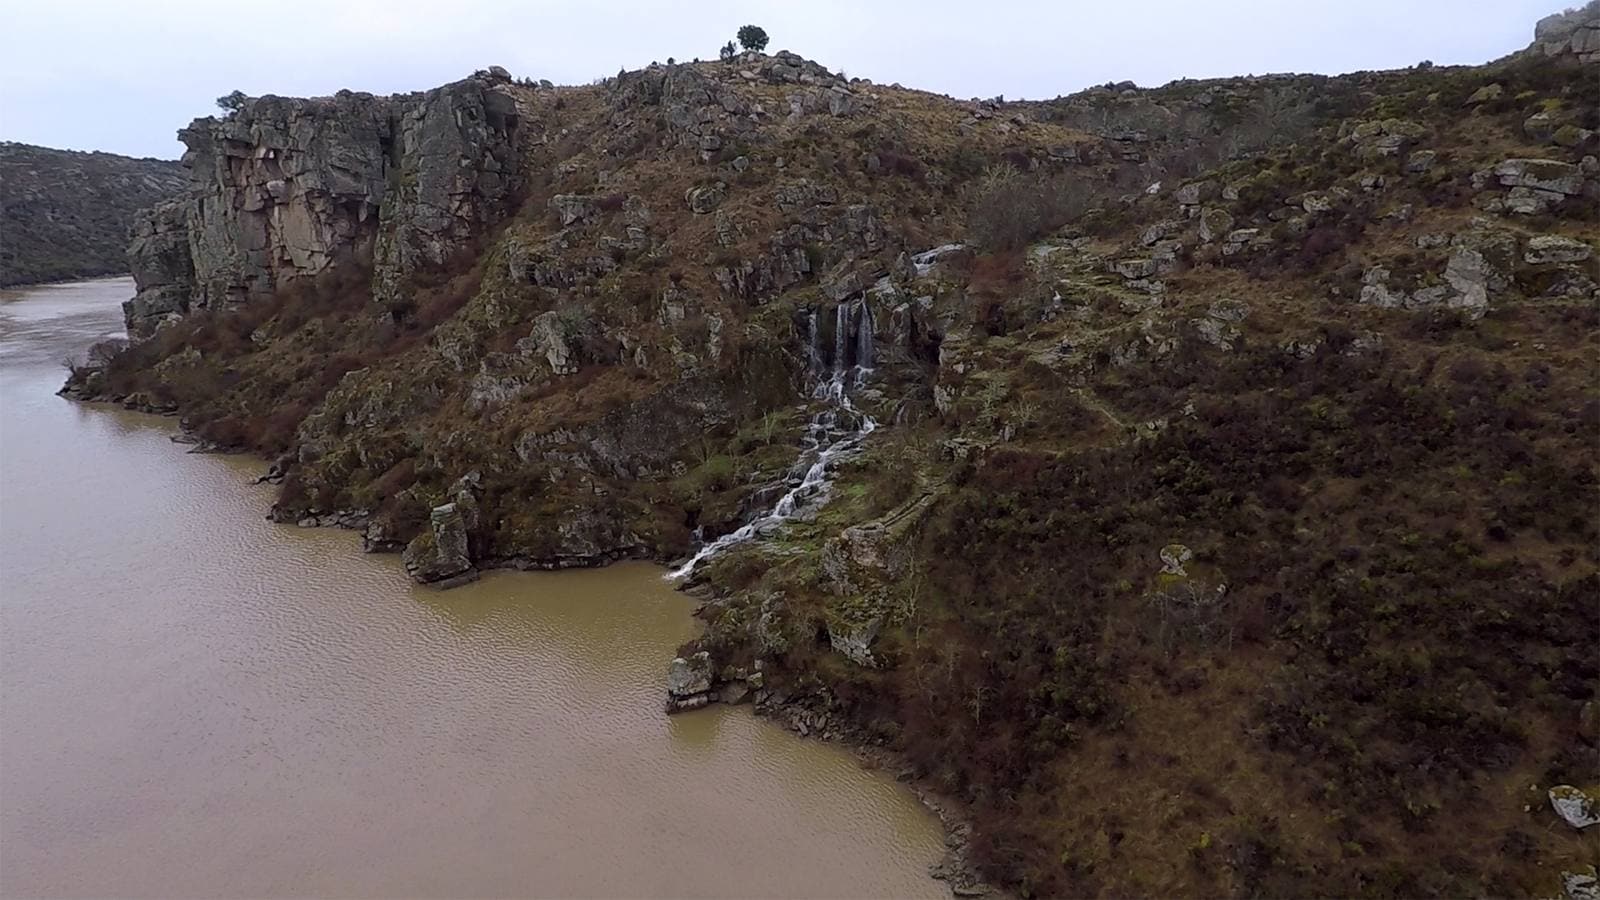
[284, 190]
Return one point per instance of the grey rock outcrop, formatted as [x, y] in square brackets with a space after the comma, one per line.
[689, 682]
[1582, 885]
[162, 266]
[1552, 248]
[440, 555]
[1574, 33]
[291, 189]
[1574, 806]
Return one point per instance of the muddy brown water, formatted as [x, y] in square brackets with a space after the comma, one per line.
[197, 702]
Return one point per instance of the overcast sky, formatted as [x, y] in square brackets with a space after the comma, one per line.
[124, 75]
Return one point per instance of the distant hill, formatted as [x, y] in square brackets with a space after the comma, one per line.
[65, 214]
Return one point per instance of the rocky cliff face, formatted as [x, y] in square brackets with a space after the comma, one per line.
[1574, 34]
[1206, 471]
[65, 214]
[286, 190]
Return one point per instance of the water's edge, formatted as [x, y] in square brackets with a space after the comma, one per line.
[953, 868]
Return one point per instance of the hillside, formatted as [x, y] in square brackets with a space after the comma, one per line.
[66, 214]
[1196, 483]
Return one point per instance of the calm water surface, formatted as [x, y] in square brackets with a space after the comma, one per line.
[197, 702]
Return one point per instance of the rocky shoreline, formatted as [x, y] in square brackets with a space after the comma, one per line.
[691, 683]
[694, 682]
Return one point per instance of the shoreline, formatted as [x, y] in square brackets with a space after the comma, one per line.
[70, 279]
[954, 867]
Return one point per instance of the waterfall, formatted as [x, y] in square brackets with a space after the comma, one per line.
[864, 333]
[841, 336]
[835, 432]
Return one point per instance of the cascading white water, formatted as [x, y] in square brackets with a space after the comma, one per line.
[834, 432]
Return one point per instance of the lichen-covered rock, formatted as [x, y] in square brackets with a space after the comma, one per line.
[1551, 248]
[689, 682]
[1173, 559]
[705, 198]
[1375, 140]
[1215, 224]
[549, 340]
[1582, 885]
[854, 639]
[1575, 807]
[440, 555]
[1549, 175]
[1219, 327]
[573, 209]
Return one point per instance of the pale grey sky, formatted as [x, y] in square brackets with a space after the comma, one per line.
[124, 75]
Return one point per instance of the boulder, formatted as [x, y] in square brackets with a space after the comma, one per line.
[1539, 127]
[705, 198]
[1575, 807]
[1219, 327]
[1421, 161]
[689, 682]
[1215, 223]
[1581, 885]
[854, 640]
[1541, 174]
[440, 554]
[1376, 140]
[574, 209]
[549, 340]
[1196, 193]
[1173, 557]
[1486, 94]
[1134, 268]
[1469, 273]
[1552, 248]
[1160, 231]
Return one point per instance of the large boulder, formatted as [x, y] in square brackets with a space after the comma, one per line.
[1549, 175]
[1553, 248]
[440, 555]
[689, 682]
[1575, 807]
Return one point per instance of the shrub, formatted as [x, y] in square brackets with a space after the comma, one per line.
[1010, 209]
[232, 102]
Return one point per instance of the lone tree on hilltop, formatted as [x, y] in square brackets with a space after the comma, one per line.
[232, 102]
[752, 37]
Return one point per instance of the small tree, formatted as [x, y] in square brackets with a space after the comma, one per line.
[232, 102]
[728, 50]
[752, 37]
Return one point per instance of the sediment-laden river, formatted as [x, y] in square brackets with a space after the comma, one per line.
[197, 702]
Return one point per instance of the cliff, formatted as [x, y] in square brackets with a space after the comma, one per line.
[65, 214]
[289, 190]
[1195, 482]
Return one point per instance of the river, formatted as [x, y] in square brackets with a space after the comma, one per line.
[197, 702]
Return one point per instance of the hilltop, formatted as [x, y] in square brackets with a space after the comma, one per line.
[66, 214]
[1208, 470]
